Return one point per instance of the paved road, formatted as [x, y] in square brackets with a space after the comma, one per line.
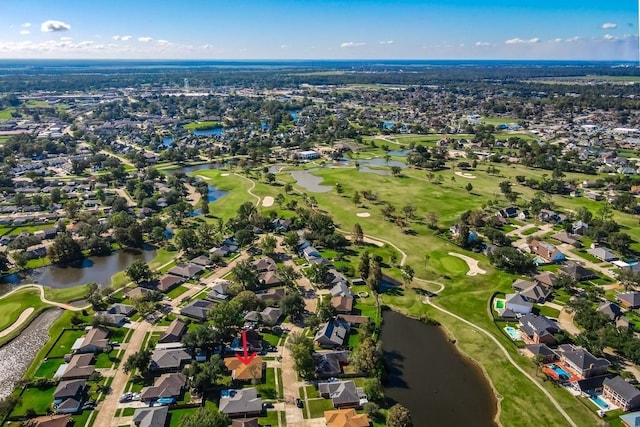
[291, 385]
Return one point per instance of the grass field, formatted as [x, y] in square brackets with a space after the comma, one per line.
[16, 303]
[201, 125]
[64, 343]
[6, 113]
[37, 399]
[176, 292]
[66, 294]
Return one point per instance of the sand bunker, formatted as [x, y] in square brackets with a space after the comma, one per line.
[466, 175]
[19, 321]
[267, 201]
[206, 178]
[363, 214]
[224, 174]
[474, 270]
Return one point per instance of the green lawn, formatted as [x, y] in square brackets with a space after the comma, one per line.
[529, 231]
[6, 113]
[548, 311]
[204, 125]
[66, 294]
[38, 399]
[106, 360]
[317, 407]
[176, 292]
[270, 419]
[14, 304]
[267, 389]
[64, 343]
[48, 368]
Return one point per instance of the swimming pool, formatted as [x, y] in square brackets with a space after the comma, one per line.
[561, 372]
[598, 401]
[513, 333]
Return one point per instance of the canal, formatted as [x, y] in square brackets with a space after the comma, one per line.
[427, 374]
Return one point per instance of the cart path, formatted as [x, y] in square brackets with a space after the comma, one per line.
[24, 316]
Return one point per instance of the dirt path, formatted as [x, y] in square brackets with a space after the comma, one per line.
[19, 321]
[565, 319]
[474, 270]
[123, 193]
[107, 409]
[291, 385]
[378, 242]
[192, 194]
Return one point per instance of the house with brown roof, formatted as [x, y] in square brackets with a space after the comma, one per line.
[265, 264]
[186, 271]
[165, 386]
[254, 370]
[342, 304]
[95, 341]
[174, 332]
[51, 421]
[629, 299]
[546, 251]
[546, 278]
[346, 418]
[167, 282]
[577, 272]
[80, 366]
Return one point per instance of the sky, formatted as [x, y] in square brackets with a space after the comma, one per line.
[320, 29]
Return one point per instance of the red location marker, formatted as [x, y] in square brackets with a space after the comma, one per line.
[246, 358]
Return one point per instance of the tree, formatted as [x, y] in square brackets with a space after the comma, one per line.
[139, 360]
[619, 242]
[511, 260]
[204, 376]
[203, 337]
[64, 249]
[395, 170]
[407, 274]
[288, 188]
[564, 281]
[364, 265]
[291, 240]
[204, 205]
[357, 236]
[387, 210]
[226, 317]
[143, 306]
[375, 275]
[288, 275]
[245, 273]
[367, 357]
[468, 187]
[399, 416]
[244, 237]
[317, 273]
[268, 245]
[301, 348]
[71, 208]
[373, 389]
[292, 305]
[326, 311]
[409, 211]
[187, 240]
[139, 271]
[432, 220]
[247, 301]
[629, 278]
[97, 246]
[205, 417]
[583, 214]
[356, 198]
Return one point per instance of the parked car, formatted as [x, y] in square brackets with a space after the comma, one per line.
[299, 403]
[267, 405]
[126, 397]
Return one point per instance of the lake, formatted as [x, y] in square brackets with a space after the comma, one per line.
[428, 375]
[168, 141]
[97, 269]
[208, 132]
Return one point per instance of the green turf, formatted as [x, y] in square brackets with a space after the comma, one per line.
[66, 294]
[317, 407]
[176, 292]
[14, 304]
[204, 125]
[39, 400]
[48, 368]
[64, 343]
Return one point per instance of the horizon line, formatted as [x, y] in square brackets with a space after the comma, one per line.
[321, 59]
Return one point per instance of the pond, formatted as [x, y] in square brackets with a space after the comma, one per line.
[428, 375]
[399, 153]
[168, 141]
[378, 161]
[97, 269]
[17, 355]
[310, 182]
[295, 115]
[208, 132]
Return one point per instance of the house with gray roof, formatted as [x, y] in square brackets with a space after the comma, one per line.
[621, 393]
[538, 329]
[123, 309]
[584, 363]
[610, 309]
[329, 363]
[540, 350]
[341, 289]
[172, 359]
[531, 291]
[186, 271]
[631, 419]
[629, 299]
[241, 403]
[343, 394]
[577, 272]
[167, 282]
[174, 332]
[271, 315]
[334, 333]
[150, 417]
[68, 396]
[518, 304]
[94, 342]
[165, 386]
[197, 309]
[603, 254]
[110, 319]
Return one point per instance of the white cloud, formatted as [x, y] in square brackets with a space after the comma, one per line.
[145, 39]
[521, 41]
[65, 39]
[126, 38]
[609, 26]
[116, 37]
[26, 25]
[574, 39]
[558, 40]
[609, 37]
[387, 42]
[483, 44]
[348, 45]
[51, 26]
[163, 42]
[284, 46]
[25, 32]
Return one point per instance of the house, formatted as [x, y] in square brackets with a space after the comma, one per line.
[577, 272]
[333, 333]
[80, 366]
[629, 299]
[265, 264]
[197, 309]
[603, 254]
[167, 282]
[621, 393]
[610, 309]
[186, 271]
[269, 278]
[151, 417]
[518, 304]
[174, 332]
[546, 278]
[280, 225]
[631, 419]
[343, 394]
[271, 315]
[219, 290]
[546, 215]
[107, 318]
[241, 403]
[165, 386]
[541, 351]
[579, 228]
[341, 289]
[245, 422]
[272, 295]
[254, 370]
[173, 359]
[202, 261]
[342, 304]
[35, 251]
[310, 252]
[524, 215]
[533, 292]
[509, 212]
[583, 362]
[346, 418]
[330, 363]
[569, 239]
[138, 293]
[307, 155]
[538, 329]
[50, 421]
[94, 342]
[546, 251]
[68, 396]
[123, 309]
